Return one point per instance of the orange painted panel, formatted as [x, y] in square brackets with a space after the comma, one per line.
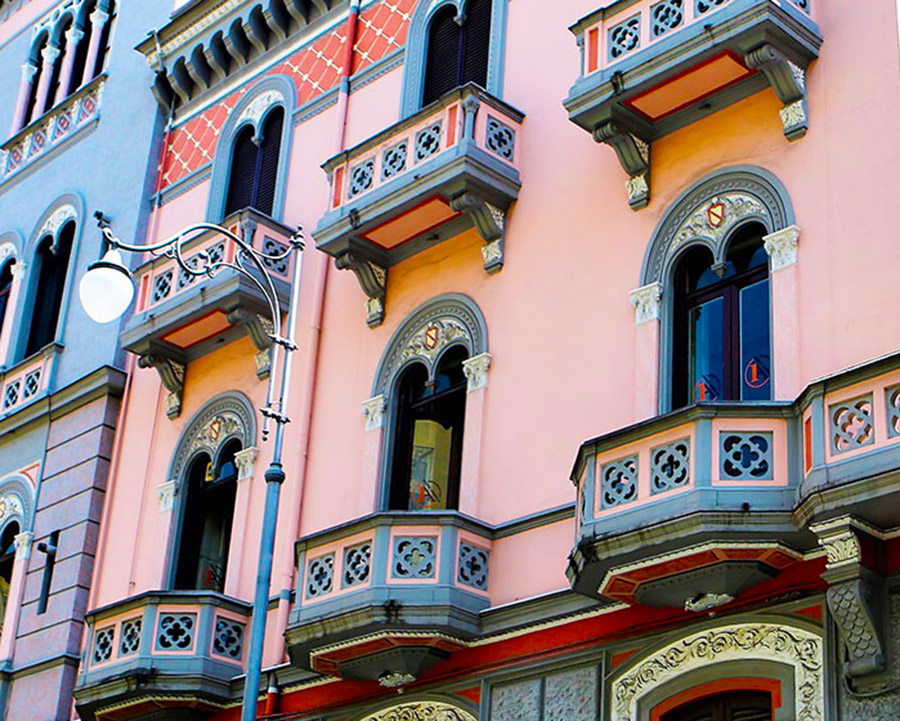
[691, 86]
[199, 330]
[430, 214]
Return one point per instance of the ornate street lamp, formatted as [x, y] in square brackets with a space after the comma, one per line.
[106, 291]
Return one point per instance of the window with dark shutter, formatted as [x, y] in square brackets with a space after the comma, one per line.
[243, 172]
[54, 266]
[457, 55]
[270, 150]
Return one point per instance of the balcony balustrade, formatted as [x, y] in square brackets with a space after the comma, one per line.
[653, 66]
[180, 317]
[162, 650]
[28, 380]
[385, 597]
[427, 178]
[694, 507]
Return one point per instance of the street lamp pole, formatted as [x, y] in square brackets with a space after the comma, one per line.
[103, 286]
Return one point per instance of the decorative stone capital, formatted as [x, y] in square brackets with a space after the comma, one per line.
[645, 301]
[73, 35]
[18, 269]
[49, 54]
[476, 371]
[373, 411]
[24, 542]
[28, 71]
[167, 492]
[782, 247]
[245, 461]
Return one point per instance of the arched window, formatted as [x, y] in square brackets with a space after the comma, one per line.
[211, 487]
[6, 279]
[104, 44]
[52, 265]
[254, 166]
[7, 560]
[737, 706]
[457, 52]
[722, 344]
[37, 60]
[81, 50]
[53, 89]
[430, 414]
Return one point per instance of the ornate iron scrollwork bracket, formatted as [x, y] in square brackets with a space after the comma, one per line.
[373, 281]
[788, 80]
[490, 222]
[634, 156]
[171, 373]
[856, 597]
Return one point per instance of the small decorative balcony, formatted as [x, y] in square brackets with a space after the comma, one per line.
[387, 596]
[179, 317]
[427, 178]
[653, 66]
[28, 380]
[50, 131]
[162, 650]
[693, 507]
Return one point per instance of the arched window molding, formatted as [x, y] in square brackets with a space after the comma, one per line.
[420, 711]
[437, 326]
[11, 261]
[252, 111]
[16, 502]
[66, 209]
[708, 214]
[60, 38]
[224, 419]
[761, 647]
[416, 52]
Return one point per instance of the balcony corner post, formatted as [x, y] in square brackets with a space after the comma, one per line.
[788, 80]
[171, 373]
[372, 279]
[634, 156]
[490, 222]
[470, 105]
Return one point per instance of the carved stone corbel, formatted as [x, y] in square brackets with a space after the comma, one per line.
[171, 373]
[788, 80]
[634, 156]
[373, 281]
[260, 330]
[856, 595]
[490, 222]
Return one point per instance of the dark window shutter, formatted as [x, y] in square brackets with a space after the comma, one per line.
[442, 57]
[243, 172]
[477, 43]
[268, 166]
[51, 283]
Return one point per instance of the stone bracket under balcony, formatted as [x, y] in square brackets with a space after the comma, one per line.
[646, 73]
[171, 651]
[179, 317]
[450, 167]
[387, 596]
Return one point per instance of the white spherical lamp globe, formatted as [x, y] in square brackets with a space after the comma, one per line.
[106, 290]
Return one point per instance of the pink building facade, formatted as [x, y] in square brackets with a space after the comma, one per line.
[660, 226]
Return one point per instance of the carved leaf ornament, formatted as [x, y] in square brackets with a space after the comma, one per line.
[423, 711]
[795, 647]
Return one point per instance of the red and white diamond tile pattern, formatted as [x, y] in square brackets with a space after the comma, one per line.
[315, 69]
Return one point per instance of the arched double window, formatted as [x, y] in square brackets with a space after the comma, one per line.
[6, 279]
[722, 344]
[458, 48]
[51, 267]
[254, 165]
[423, 383]
[36, 61]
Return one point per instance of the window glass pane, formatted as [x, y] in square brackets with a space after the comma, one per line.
[706, 323]
[430, 468]
[756, 371]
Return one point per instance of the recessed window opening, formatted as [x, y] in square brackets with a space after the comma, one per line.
[738, 706]
[7, 559]
[104, 45]
[52, 259]
[457, 51]
[722, 344]
[254, 166]
[37, 59]
[62, 46]
[206, 520]
[6, 279]
[81, 50]
[430, 415]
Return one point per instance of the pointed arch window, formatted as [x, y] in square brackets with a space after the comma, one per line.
[7, 560]
[103, 46]
[458, 49]
[37, 60]
[254, 166]
[722, 339]
[427, 454]
[82, 48]
[6, 279]
[52, 261]
[53, 89]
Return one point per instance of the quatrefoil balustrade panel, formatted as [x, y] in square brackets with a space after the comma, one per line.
[27, 381]
[417, 581]
[194, 639]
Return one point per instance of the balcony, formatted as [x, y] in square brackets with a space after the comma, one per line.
[386, 597]
[180, 317]
[73, 116]
[451, 166]
[28, 380]
[162, 650]
[651, 67]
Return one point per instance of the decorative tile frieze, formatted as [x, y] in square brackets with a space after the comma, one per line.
[782, 247]
[476, 371]
[646, 302]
